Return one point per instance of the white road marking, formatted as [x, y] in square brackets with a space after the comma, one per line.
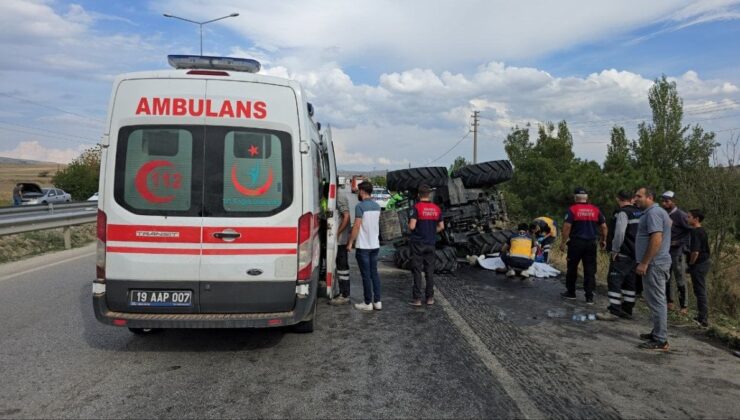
[45, 266]
[512, 388]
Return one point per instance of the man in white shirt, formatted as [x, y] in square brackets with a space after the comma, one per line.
[365, 237]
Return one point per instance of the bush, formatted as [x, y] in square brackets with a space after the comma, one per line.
[80, 178]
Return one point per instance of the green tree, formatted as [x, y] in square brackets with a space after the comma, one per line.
[378, 181]
[458, 163]
[665, 148]
[80, 178]
[618, 157]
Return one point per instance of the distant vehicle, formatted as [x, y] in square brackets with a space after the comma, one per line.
[381, 196]
[46, 196]
[342, 182]
[356, 180]
[93, 197]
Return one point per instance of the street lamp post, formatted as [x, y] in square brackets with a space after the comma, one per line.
[200, 24]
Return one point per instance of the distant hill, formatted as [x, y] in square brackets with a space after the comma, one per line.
[13, 161]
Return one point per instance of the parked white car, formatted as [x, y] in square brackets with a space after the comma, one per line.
[46, 196]
[381, 196]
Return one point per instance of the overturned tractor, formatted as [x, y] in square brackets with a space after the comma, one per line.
[473, 211]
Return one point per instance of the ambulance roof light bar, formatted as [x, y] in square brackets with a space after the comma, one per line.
[214, 63]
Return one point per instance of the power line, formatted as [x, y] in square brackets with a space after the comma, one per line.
[56, 133]
[51, 107]
[450, 149]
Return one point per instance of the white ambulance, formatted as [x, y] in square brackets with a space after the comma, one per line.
[216, 201]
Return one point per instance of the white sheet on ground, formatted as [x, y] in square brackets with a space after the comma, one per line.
[540, 270]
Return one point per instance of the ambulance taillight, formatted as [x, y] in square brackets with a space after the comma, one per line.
[305, 247]
[101, 233]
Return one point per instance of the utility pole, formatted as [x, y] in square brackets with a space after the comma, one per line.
[476, 116]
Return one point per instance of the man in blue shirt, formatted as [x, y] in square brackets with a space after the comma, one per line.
[425, 221]
[652, 246]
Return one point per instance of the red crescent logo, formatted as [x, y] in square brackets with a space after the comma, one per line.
[141, 182]
[250, 191]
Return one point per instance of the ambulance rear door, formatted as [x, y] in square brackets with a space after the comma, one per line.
[152, 197]
[332, 220]
[252, 200]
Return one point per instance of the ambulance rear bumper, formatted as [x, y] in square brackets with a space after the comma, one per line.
[302, 311]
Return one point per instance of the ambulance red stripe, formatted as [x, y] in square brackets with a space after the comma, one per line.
[139, 250]
[194, 234]
[196, 251]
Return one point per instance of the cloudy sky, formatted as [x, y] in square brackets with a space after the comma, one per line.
[397, 80]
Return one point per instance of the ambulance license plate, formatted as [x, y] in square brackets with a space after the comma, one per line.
[161, 298]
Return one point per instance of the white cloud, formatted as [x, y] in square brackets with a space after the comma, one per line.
[33, 150]
[441, 35]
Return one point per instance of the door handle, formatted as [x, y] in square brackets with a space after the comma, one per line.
[226, 235]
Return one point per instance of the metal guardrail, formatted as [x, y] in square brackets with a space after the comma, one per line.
[45, 208]
[29, 223]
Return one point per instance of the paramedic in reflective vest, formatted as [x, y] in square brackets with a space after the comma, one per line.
[343, 230]
[621, 243]
[366, 238]
[425, 221]
[584, 223]
[518, 253]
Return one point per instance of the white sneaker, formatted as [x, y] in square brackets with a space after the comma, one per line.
[377, 306]
[365, 307]
[525, 273]
[510, 273]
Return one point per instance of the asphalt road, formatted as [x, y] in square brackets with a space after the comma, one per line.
[487, 349]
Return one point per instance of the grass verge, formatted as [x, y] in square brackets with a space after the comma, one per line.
[29, 244]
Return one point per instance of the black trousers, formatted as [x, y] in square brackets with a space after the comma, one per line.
[343, 270]
[423, 259]
[581, 250]
[621, 282]
[698, 273]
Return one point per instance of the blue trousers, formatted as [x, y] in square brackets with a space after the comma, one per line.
[367, 259]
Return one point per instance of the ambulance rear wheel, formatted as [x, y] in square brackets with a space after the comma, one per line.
[304, 327]
[143, 331]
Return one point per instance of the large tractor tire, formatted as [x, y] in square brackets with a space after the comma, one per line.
[488, 242]
[445, 259]
[486, 174]
[402, 258]
[411, 179]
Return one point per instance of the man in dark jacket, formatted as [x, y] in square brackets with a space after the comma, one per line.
[621, 245]
[584, 224]
[425, 222]
[680, 236]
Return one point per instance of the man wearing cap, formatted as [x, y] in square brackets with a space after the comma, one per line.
[680, 236]
[621, 244]
[584, 223]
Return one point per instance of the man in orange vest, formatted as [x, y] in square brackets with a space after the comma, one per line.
[518, 253]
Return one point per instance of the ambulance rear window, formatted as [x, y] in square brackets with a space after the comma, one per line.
[256, 172]
[154, 170]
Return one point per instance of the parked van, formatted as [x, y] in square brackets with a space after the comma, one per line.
[210, 201]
